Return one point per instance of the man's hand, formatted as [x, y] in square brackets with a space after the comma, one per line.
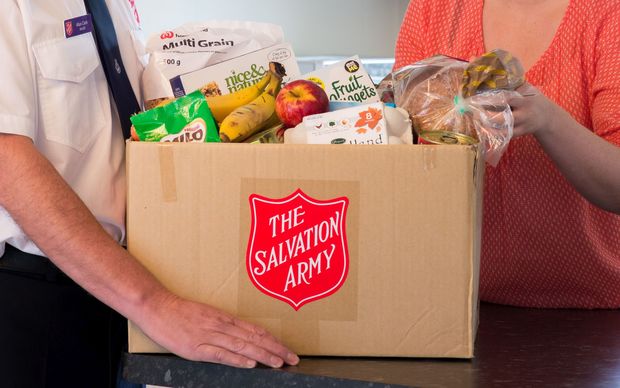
[202, 333]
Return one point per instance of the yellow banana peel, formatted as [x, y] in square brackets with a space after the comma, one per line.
[248, 119]
[222, 106]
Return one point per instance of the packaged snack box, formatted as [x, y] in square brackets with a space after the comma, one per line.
[237, 73]
[364, 124]
[346, 80]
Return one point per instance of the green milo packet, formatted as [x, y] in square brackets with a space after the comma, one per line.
[186, 119]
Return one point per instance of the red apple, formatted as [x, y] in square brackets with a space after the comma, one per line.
[298, 99]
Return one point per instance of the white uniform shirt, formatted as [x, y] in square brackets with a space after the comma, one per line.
[54, 91]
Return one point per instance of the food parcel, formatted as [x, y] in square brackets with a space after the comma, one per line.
[338, 245]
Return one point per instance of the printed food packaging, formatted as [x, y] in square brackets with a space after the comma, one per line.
[194, 46]
[185, 119]
[372, 124]
[338, 250]
[237, 73]
[346, 80]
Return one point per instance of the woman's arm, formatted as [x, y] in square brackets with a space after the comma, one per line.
[589, 159]
[590, 163]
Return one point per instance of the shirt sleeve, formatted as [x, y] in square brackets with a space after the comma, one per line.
[409, 45]
[606, 85]
[17, 97]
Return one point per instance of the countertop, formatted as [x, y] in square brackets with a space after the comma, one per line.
[515, 347]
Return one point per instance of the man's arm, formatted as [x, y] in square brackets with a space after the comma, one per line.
[54, 217]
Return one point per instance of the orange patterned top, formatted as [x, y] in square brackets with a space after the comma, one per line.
[543, 245]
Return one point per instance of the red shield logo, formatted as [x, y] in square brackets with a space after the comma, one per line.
[297, 250]
[68, 28]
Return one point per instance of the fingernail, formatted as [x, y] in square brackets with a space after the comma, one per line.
[293, 359]
[250, 363]
[276, 362]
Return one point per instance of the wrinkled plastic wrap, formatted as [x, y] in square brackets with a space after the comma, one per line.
[447, 94]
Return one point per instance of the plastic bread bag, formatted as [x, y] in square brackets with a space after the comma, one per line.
[430, 91]
[447, 94]
[194, 46]
[386, 90]
[495, 70]
[493, 122]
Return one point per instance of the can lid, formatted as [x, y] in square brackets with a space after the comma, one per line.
[446, 137]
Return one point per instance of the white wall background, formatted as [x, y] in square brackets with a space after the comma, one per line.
[314, 27]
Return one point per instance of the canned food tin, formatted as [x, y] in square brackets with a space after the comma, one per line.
[445, 137]
[274, 134]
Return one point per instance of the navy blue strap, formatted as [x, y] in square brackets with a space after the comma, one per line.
[107, 45]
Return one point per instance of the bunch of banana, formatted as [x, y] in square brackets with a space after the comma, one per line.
[223, 105]
[250, 118]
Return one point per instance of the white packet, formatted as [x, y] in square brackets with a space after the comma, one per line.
[194, 46]
[397, 127]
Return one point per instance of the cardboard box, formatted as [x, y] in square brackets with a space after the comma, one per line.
[238, 73]
[406, 217]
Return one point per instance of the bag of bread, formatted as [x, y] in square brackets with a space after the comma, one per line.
[444, 94]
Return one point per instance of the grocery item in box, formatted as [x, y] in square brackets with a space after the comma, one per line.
[187, 119]
[346, 80]
[237, 73]
[362, 124]
[194, 46]
[444, 94]
[386, 90]
[272, 135]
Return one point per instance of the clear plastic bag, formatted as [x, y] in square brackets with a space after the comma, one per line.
[493, 121]
[447, 94]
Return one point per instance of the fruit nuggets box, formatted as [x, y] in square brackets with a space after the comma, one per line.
[346, 80]
[338, 250]
[237, 73]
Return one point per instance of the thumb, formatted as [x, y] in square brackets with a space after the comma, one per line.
[523, 92]
[527, 90]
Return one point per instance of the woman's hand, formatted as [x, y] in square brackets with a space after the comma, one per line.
[588, 161]
[533, 112]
